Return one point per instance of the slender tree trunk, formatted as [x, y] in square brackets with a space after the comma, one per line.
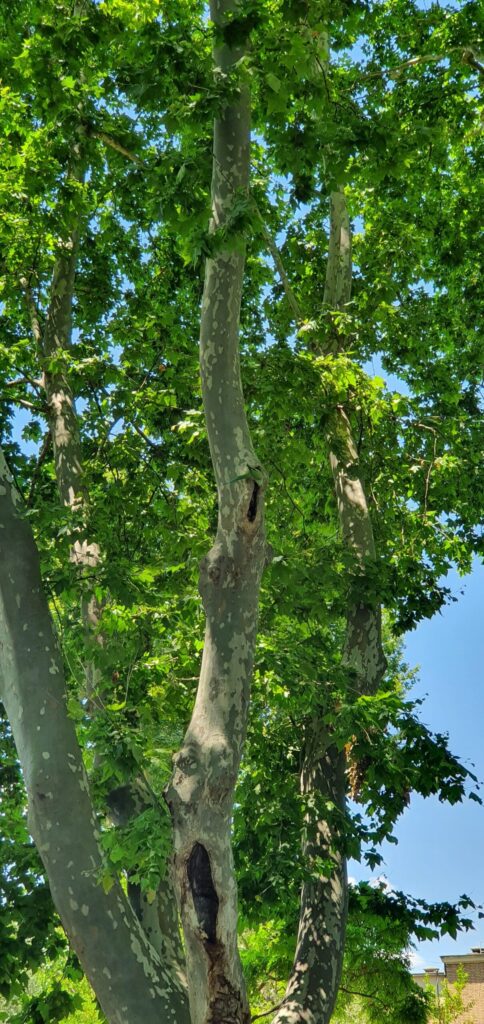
[337, 286]
[363, 653]
[200, 795]
[132, 985]
[53, 342]
[313, 986]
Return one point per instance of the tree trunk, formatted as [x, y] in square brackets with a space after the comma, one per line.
[200, 794]
[132, 985]
[313, 986]
[53, 342]
[363, 653]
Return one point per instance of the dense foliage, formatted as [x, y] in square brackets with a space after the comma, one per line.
[107, 113]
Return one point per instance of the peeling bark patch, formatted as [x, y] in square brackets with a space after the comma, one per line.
[205, 899]
[226, 1005]
[252, 509]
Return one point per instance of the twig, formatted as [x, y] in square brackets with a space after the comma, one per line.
[35, 475]
[151, 444]
[276, 256]
[266, 1012]
[289, 495]
[363, 995]
[117, 146]
[467, 54]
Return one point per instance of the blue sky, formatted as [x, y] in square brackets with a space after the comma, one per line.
[440, 849]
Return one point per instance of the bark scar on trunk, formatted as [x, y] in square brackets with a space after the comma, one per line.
[204, 895]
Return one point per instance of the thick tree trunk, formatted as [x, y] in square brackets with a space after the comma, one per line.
[200, 795]
[132, 985]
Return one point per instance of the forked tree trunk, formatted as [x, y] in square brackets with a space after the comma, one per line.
[200, 795]
[131, 983]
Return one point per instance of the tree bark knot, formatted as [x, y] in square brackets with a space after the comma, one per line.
[218, 570]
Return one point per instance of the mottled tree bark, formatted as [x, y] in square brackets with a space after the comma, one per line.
[132, 985]
[53, 342]
[314, 981]
[363, 653]
[313, 986]
[158, 917]
[200, 795]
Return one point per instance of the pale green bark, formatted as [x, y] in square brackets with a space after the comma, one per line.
[201, 792]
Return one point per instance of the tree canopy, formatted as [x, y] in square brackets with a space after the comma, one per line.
[338, 247]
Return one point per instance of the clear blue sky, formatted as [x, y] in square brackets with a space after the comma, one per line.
[440, 852]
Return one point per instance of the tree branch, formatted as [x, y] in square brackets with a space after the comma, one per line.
[117, 146]
[276, 256]
[35, 475]
[467, 53]
[33, 311]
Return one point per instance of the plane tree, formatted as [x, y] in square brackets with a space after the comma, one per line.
[342, 237]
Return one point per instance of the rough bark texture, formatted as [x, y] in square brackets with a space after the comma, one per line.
[313, 985]
[132, 985]
[53, 341]
[201, 791]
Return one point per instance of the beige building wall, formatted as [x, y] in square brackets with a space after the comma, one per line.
[473, 964]
[430, 976]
